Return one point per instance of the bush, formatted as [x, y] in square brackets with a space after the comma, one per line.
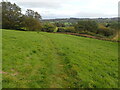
[66, 29]
[58, 24]
[105, 31]
[61, 29]
[48, 27]
[70, 29]
[32, 24]
[83, 26]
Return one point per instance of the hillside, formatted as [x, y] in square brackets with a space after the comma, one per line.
[48, 60]
[74, 20]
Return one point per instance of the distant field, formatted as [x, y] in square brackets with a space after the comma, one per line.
[47, 60]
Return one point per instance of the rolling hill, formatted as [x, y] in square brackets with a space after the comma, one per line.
[48, 60]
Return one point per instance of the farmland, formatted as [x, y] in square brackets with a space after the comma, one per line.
[48, 60]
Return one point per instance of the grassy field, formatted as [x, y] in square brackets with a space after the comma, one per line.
[47, 60]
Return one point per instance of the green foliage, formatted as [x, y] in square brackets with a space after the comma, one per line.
[70, 29]
[47, 60]
[66, 29]
[67, 24]
[11, 15]
[12, 18]
[32, 24]
[115, 25]
[61, 29]
[105, 31]
[58, 24]
[90, 26]
[33, 14]
[48, 27]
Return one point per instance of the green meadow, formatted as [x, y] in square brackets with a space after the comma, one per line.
[49, 60]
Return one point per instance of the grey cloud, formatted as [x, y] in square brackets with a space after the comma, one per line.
[76, 15]
[49, 15]
[40, 5]
[55, 8]
[93, 15]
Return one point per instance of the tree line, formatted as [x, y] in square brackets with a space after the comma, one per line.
[12, 18]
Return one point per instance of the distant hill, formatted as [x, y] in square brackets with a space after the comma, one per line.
[74, 20]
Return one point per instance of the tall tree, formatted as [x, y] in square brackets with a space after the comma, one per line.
[31, 24]
[11, 15]
[89, 26]
[33, 14]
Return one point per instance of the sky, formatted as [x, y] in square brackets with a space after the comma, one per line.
[51, 9]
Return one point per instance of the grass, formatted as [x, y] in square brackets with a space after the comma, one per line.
[47, 60]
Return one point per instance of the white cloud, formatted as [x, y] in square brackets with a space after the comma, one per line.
[71, 8]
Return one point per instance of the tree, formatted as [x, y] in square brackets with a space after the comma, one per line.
[31, 20]
[33, 14]
[58, 24]
[48, 27]
[105, 31]
[83, 26]
[116, 27]
[31, 24]
[66, 29]
[11, 15]
[37, 16]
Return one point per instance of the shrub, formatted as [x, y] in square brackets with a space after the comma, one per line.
[66, 29]
[105, 31]
[32, 24]
[48, 27]
[70, 29]
[58, 24]
[90, 26]
[61, 29]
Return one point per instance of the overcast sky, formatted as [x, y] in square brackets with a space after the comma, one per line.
[71, 8]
